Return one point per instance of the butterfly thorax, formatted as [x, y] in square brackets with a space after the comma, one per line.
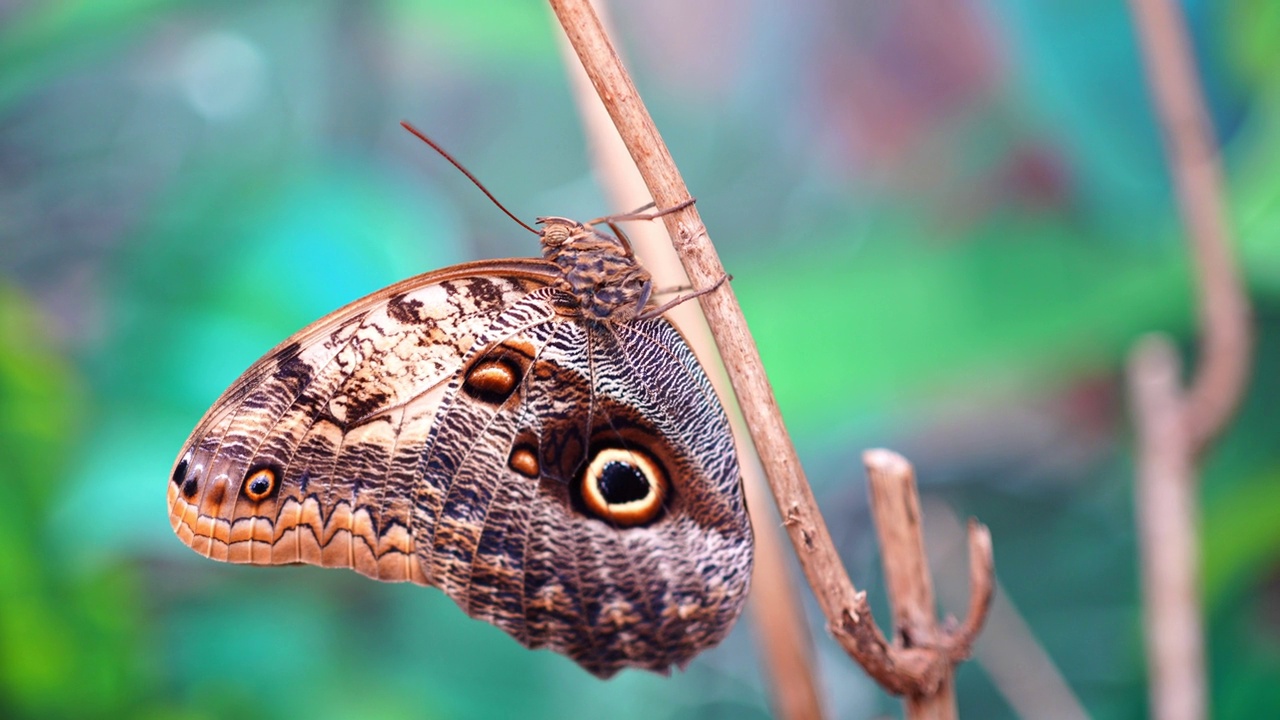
[598, 270]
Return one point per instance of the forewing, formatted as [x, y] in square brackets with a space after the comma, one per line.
[313, 455]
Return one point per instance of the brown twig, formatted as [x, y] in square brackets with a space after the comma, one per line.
[777, 612]
[1174, 427]
[1194, 162]
[895, 505]
[900, 670]
[1193, 158]
[1166, 510]
[808, 532]
[780, 628]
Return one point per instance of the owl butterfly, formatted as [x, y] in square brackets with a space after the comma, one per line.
[528, 435]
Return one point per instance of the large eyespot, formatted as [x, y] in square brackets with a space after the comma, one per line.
[260, 482]
[624, 487]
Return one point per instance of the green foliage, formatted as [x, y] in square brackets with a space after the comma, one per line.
[69, 637]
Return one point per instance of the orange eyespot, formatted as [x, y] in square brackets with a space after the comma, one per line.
[624, 487]
[524, 460]
[492, 381]
[496, 374]
[260, 483]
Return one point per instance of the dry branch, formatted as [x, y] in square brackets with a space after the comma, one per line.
[1174, 427]
[901, 670]
[1166, 509]
[1194, 161]
[895, 506]
[781, 631]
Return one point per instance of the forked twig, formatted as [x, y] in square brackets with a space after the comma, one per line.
[895, 505]
[1174, 427]
[902, 670]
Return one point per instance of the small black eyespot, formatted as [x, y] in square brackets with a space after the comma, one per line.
[190, 487]
[180, 471]
[622, 482]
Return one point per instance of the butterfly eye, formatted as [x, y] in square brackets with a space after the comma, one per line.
[624, 487]
[260, 483]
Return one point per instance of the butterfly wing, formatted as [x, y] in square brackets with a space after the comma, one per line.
[518, 542]
[570, 481]
[312, 455]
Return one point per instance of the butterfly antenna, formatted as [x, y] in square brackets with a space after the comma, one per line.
[421, 136]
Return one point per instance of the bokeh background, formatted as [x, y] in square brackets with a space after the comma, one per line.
[947, 223]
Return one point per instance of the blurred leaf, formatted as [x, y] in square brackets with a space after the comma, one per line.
[68, 639]
[1241, 537]
[468, 30]
[891, 321]
[1252, 27]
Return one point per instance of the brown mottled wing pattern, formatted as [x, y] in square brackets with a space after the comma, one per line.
[520, 552]
[439, 432]
[339, 413]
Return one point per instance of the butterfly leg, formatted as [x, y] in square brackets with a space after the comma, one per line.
[637, 214]
[640, 214]
[655, 312]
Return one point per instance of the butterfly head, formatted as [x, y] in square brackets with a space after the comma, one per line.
[558, 233]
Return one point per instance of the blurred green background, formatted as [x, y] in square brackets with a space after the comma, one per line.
[947, 223]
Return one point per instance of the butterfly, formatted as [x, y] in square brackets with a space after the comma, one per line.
[530, 436]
